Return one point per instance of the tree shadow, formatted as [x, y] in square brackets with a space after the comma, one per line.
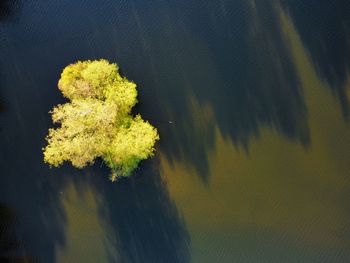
[11, 249]
[38, 207]
[324, 27]
[8, 9]
[201, 68]
[140, 205]
[231, 70]
[142, 221]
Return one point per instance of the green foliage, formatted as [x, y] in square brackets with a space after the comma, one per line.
[97, 120]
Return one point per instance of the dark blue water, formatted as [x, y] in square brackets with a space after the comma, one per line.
[251, 102]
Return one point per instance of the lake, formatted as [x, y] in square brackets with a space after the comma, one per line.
[251, 100]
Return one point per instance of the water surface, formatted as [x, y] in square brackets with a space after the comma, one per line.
[251, 102]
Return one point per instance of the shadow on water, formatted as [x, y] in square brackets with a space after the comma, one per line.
[231, 69]
[11, 249]
[200, 67]
[41, 218]
[248, 80]
[324, 27]
[35, 191]
[142, 222]
[8, 9]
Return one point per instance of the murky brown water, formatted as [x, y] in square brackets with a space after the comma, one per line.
[251, 101]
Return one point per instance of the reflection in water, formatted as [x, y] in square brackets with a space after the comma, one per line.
[324, 27]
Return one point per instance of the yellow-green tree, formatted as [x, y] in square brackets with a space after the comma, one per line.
[97, 122]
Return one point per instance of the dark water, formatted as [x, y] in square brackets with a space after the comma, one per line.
[251, 101]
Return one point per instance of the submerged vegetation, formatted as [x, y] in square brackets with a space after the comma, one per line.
[97, 122]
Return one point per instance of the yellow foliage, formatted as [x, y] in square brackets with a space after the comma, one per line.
[97, 121]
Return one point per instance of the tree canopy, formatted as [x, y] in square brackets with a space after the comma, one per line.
[97, 121]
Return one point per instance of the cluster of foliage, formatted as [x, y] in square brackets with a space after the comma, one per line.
[97, 122]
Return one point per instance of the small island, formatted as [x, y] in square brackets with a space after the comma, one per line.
[97, 121]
